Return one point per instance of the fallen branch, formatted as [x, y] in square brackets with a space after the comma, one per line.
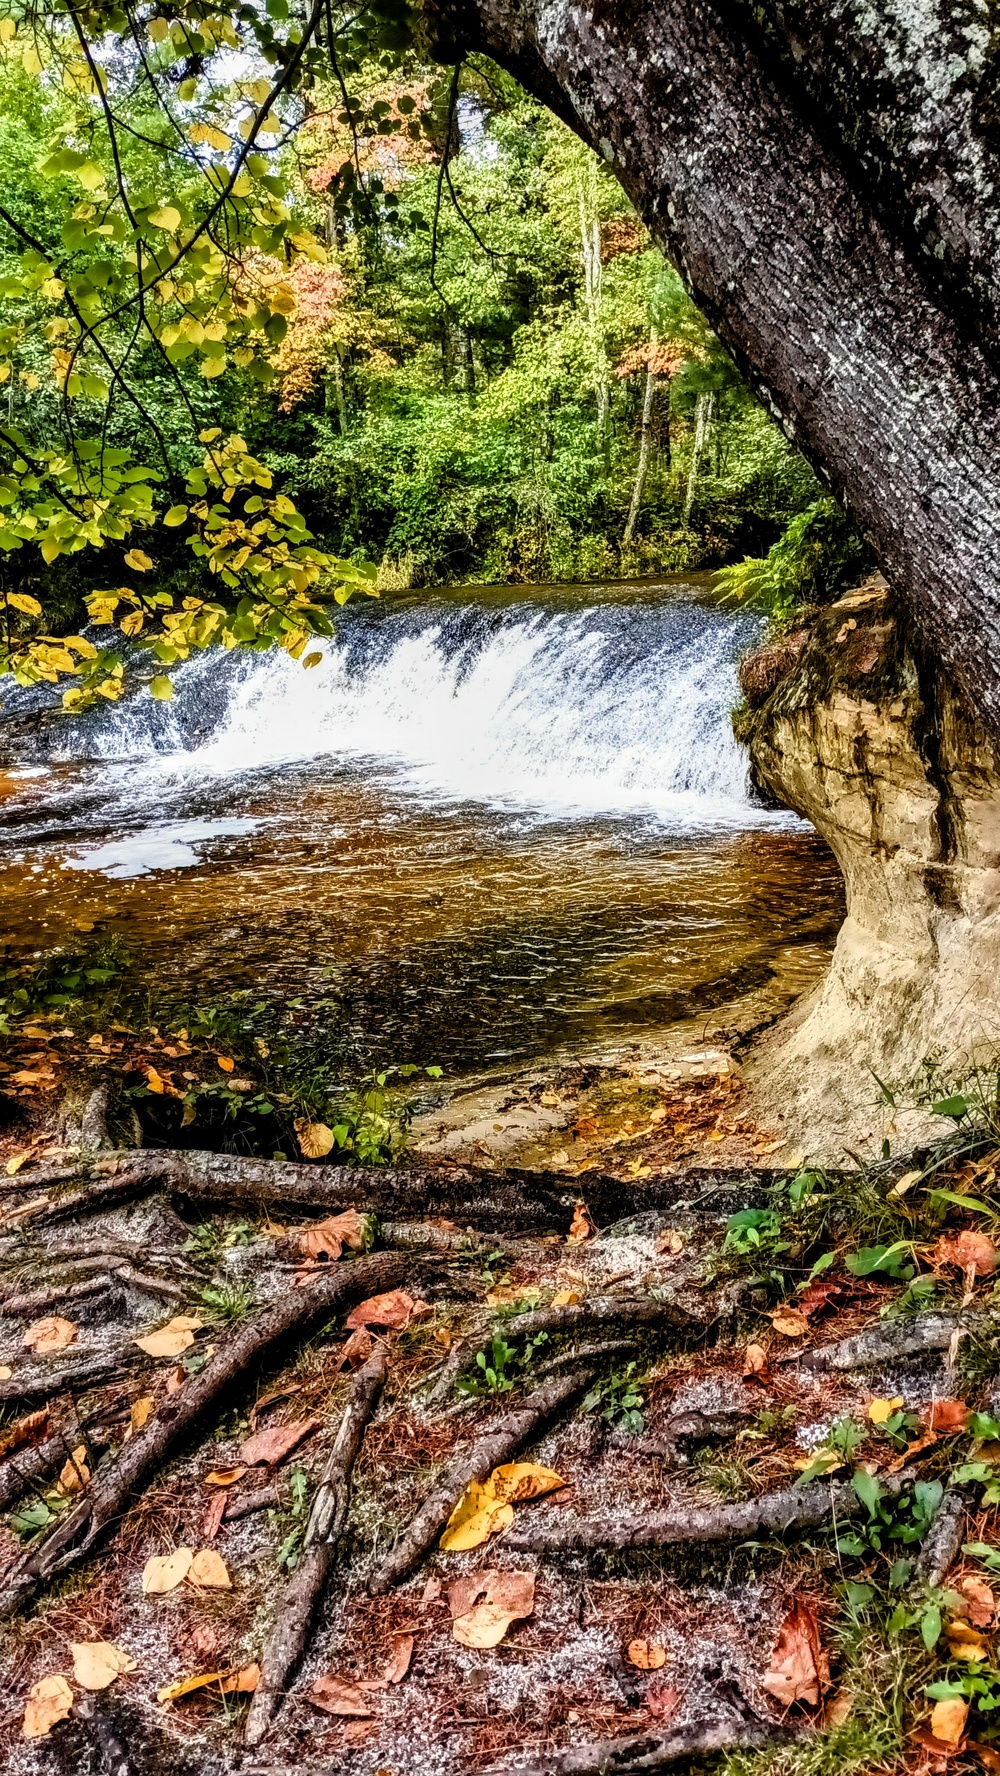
[497, 1444]
[883, 1343]
[327, 1517]
[35, 1300]
[647, 1751]
[261, 1500]
[798, 1507]
[295, 1313]
[623, 1310]
[73, 1377]
[22, 1470]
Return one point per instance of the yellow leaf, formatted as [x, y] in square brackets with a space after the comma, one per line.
[789, 1322]
[212, 367]
[966, 1642]
[185, 1685]
[22, 601]
[492, 1600]
[880, 1410]
[173, 1338]
[516, 1481]
[142, 1411]
[475, 1518]
[49, 1700]
[161, 688]
[5, 1371]
[75, 1474]
[96, 1663]
[15, 1164]
[153, 1079]
[312, 660]
[158, 29]
[175, 516]
[948, 1720]
[132, 624]
[566, 1298]
[224, 1476]
[48, 1335]
[138, 560]
[647, 1655]
[209, 1570]
[225, 1063]
[166, 217]
[315, 1139]
[164, 1572]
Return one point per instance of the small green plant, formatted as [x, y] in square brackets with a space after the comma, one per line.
[842, 1439]
[729, 1477]
[771, 1421]
[291, 1547]
[492, 1372]
[915, 1297]
[370, 1125]
[979, 1685]
[904, 1520]
[228, 1301]
[890, 1261]
[755, 1233]
[802, 1187]
[210, 1238]
[618, 1400]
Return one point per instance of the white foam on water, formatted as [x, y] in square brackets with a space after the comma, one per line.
[176, 844]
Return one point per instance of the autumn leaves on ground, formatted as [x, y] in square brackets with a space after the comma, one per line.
[419, 1468]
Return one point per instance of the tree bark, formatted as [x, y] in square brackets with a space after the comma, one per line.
[645, 435]
[824, 178]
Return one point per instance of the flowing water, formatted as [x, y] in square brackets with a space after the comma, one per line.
[514, 825]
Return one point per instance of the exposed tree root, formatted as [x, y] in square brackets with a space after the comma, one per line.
[795, 1508]
[71, 1378]
[501, 1439]
[944, 1538]
[24, 1469]
[302, 1597]
[647, 1751]
[60, 1295]
[101, 1730]
[295, 1313]
[885, 1342]
[598, 1311]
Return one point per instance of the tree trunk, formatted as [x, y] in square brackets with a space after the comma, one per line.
[702, 423]
[593, 294]
[824, 178]
[642, 467]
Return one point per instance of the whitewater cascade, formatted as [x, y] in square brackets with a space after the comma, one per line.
[613, 708]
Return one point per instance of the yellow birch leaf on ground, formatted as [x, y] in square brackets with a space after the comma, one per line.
[210, 1570]
[966, 1642]
[75, 1474]
[173, 1338]
[225, 1063]
[50, 1334]
[647, 1655]
[493, 1601]
[880, 1410]
[315, 1139]
[5, 1371]
[153, 1080]
[478, 1514]
[948, 1720]
[515, 1481]
[96, 1663]
[224, 1476]
[186, 1685]
[163, 1572]
[15, 1164]
[566, 1298]
[142, 1411]
[49, 1700]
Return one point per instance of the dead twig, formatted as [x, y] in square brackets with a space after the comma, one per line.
[304, 1591]
[497, 1444]
[647, 1751]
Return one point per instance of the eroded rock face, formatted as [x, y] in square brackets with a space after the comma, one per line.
[866, 738]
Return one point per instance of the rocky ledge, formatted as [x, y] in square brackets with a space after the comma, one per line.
[851, 723]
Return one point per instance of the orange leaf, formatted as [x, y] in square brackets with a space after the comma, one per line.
[966, 1251]
[662, 1701]
[274, 1444]
[979, 1599]
[647, 1655]
[946, 1416]
[393, 1309]
[50, 1334]
[581, 1227]
[327, 1239]
[798, 1671]
[484, 1605]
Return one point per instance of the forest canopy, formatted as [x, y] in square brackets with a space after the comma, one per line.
[288, 312]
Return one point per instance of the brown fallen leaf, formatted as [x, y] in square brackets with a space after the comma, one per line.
[338, 1695]
[242, 1682]
[988, 1755]
[204, 1640]
[225, 1063]
[841, 1706]
[789, 1322]
[141, 1411]
[647, 1655]
[966, 1642]
[980, 1603]
[966, 1251]
[946, 1416]
[799, 1670]
[273, 1444]
[821, 1297]
[175, 1380]
[315, 1139]
[209, 1571]
[5, 1372]
[355, 1350]
[492, 1601]
[948, 1719]
[49, 1701]
[754, 1362]
[393, 1310]
[49, 1334]
[163, 1572]
[224, 1476]
[662, 1701]
[96, 1663]
[397, 1667]
[327, 1239]
[487, 1506]
[75, 1475]
[173, 1338]
[211, 1523]
[581, 1227]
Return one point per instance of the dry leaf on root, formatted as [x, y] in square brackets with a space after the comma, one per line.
[50, 1334]
[96, 1663]
[327, 1239]
[647, 1655]
[75, 1474]
[173, 1338]
[488, 1505]
[754, 1361]
[49, 1701]
[211, 1523]
[484, 1605]
[267, 1447]
[393, 1310]
[164, 1572]
[209, 1571]
[315, 1139]
[339, 1695]
[980, 1603]
[799, 1670]
[966, 1251]
[141, 1411]
[946, 1416]
[948, 1719]
[565, 1298]
[789, 1322]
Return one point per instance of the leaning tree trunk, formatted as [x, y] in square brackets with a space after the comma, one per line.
[824, 177]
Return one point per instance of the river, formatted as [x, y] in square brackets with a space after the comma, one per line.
[513, 823]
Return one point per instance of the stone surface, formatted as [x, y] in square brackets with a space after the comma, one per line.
[866, 738]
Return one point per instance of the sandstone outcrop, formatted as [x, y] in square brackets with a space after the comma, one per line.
[854, 725]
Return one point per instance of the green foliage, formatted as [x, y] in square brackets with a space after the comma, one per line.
[752, 1233]
[817, 553]
[889, 1261]
[371, 1124]
[64, 983]
[618, 1400]
[229, 1302]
